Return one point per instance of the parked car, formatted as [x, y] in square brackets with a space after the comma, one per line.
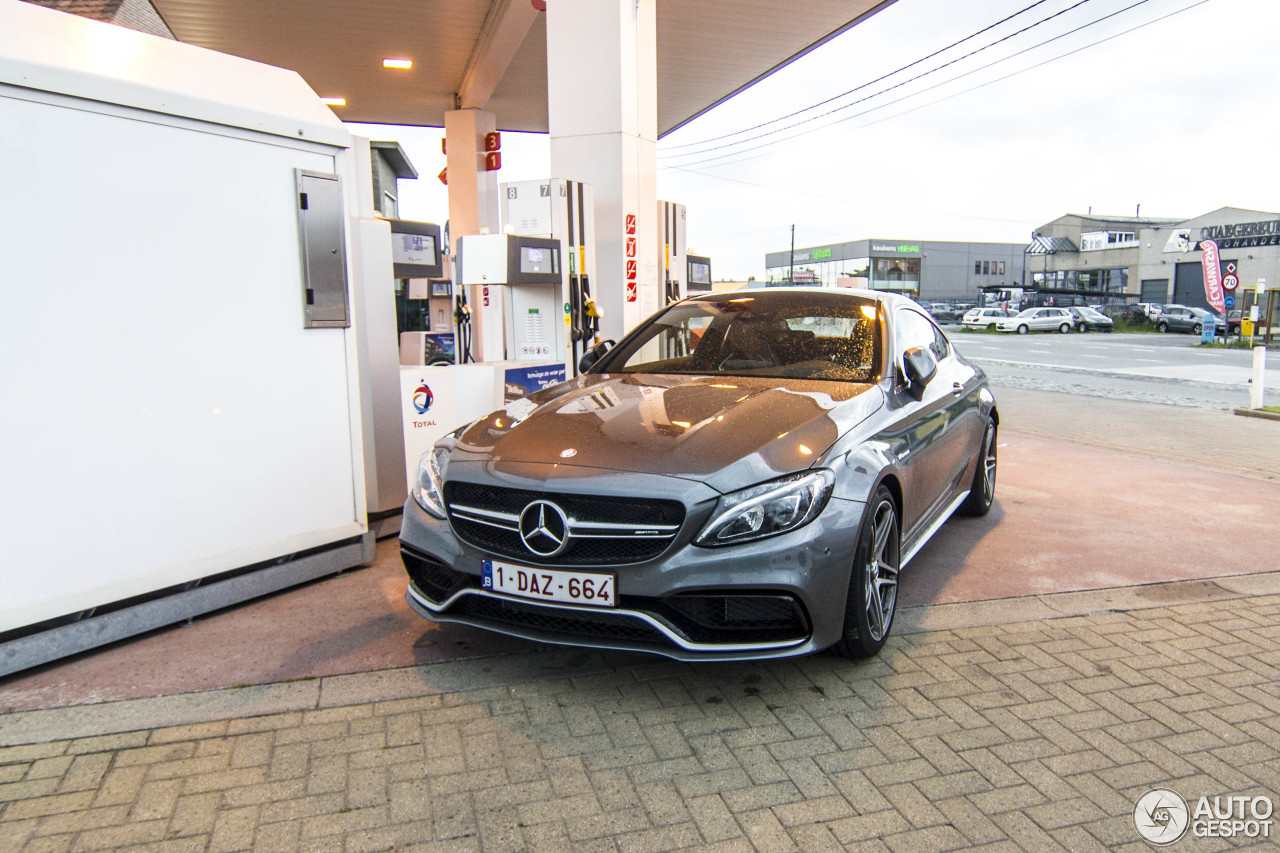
[1091, 319]
[1233, 321]
[1182, 318]
[754, 493]
[1132, 313]
[1151, 309]
[944, 312]
[982, 318]
[1038, 320]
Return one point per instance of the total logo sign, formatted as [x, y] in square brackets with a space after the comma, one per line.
[421, 401]
[422, 398]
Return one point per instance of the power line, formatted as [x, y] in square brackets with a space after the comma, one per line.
[908, 81]
[821, 196]
[899, 85]
[864, 85]
[685, 168]
[992, 64]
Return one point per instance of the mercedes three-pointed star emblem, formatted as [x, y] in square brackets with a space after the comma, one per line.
[544, 528]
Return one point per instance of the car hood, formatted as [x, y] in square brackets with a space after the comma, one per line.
[727, 432]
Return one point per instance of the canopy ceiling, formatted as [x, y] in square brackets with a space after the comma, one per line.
[493, 54]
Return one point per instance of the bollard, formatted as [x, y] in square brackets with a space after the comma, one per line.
[1259, 382]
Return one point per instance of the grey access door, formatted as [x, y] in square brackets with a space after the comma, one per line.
[1155, 290]
[324, 261]
[1188, 286]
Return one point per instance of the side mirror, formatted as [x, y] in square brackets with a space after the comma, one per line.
[591, 356]
[921, 367]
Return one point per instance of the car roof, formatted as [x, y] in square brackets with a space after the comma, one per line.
[882, 296]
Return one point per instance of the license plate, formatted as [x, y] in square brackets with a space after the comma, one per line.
[589, 588]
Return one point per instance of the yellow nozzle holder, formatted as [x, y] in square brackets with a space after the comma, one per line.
[594, 310]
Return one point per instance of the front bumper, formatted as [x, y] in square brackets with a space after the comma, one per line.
[772, 598]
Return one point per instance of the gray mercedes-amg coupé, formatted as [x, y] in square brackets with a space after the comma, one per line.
[744, 475]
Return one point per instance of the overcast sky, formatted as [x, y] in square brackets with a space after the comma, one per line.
[1167, 104]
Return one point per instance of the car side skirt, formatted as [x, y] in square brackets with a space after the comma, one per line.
[924, 537]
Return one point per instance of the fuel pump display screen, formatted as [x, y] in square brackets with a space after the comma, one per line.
[699, 273]
[538, 259]
[413, 249]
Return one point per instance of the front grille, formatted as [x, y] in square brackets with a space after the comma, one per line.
[605, 531]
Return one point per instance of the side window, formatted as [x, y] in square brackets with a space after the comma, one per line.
[916, 330]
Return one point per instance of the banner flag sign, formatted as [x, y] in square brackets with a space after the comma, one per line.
[1212, 276]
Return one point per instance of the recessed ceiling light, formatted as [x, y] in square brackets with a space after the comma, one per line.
[397, 63]
[334, 102]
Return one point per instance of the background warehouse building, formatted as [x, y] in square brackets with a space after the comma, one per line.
[1086, 258]
[923, 269]
[1073, 260]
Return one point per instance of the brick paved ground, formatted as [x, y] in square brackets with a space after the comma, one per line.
[1002, 725]
[1033, 735]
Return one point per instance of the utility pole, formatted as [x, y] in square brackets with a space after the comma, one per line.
[791, 274]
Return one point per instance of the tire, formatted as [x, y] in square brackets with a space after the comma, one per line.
[991, 327]
[1162, 327]
[982, 491]
[1064, 328]
[1197, 329]
[1023, 329]
[872, 599]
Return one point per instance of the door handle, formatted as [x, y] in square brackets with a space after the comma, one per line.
[957, 388]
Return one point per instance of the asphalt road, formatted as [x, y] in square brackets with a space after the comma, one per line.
[1151, 368]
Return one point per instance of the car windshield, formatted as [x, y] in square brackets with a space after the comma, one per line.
[800, 335]
[1092, 313]
[1027, 312]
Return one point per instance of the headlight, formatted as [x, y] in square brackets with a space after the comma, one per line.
[428, 484]
[768, 509]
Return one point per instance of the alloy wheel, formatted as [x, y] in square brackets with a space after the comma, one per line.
[880, 574]
[989, 463]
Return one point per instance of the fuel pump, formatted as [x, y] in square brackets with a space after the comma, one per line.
[520, 280]
[562, 210]
[462, 326]
[673, 249]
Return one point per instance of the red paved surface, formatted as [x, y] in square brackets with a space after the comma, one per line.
[1072, 518]
[1066, 518]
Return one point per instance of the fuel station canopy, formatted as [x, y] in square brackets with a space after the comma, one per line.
[492, 55]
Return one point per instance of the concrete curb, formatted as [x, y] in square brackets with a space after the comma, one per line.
[105, 718]
[1258, 413]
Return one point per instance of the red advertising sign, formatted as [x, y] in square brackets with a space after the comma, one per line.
[492, 141]
[631, 223]
[1212, 276]
[631, 247]
[493, 161]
